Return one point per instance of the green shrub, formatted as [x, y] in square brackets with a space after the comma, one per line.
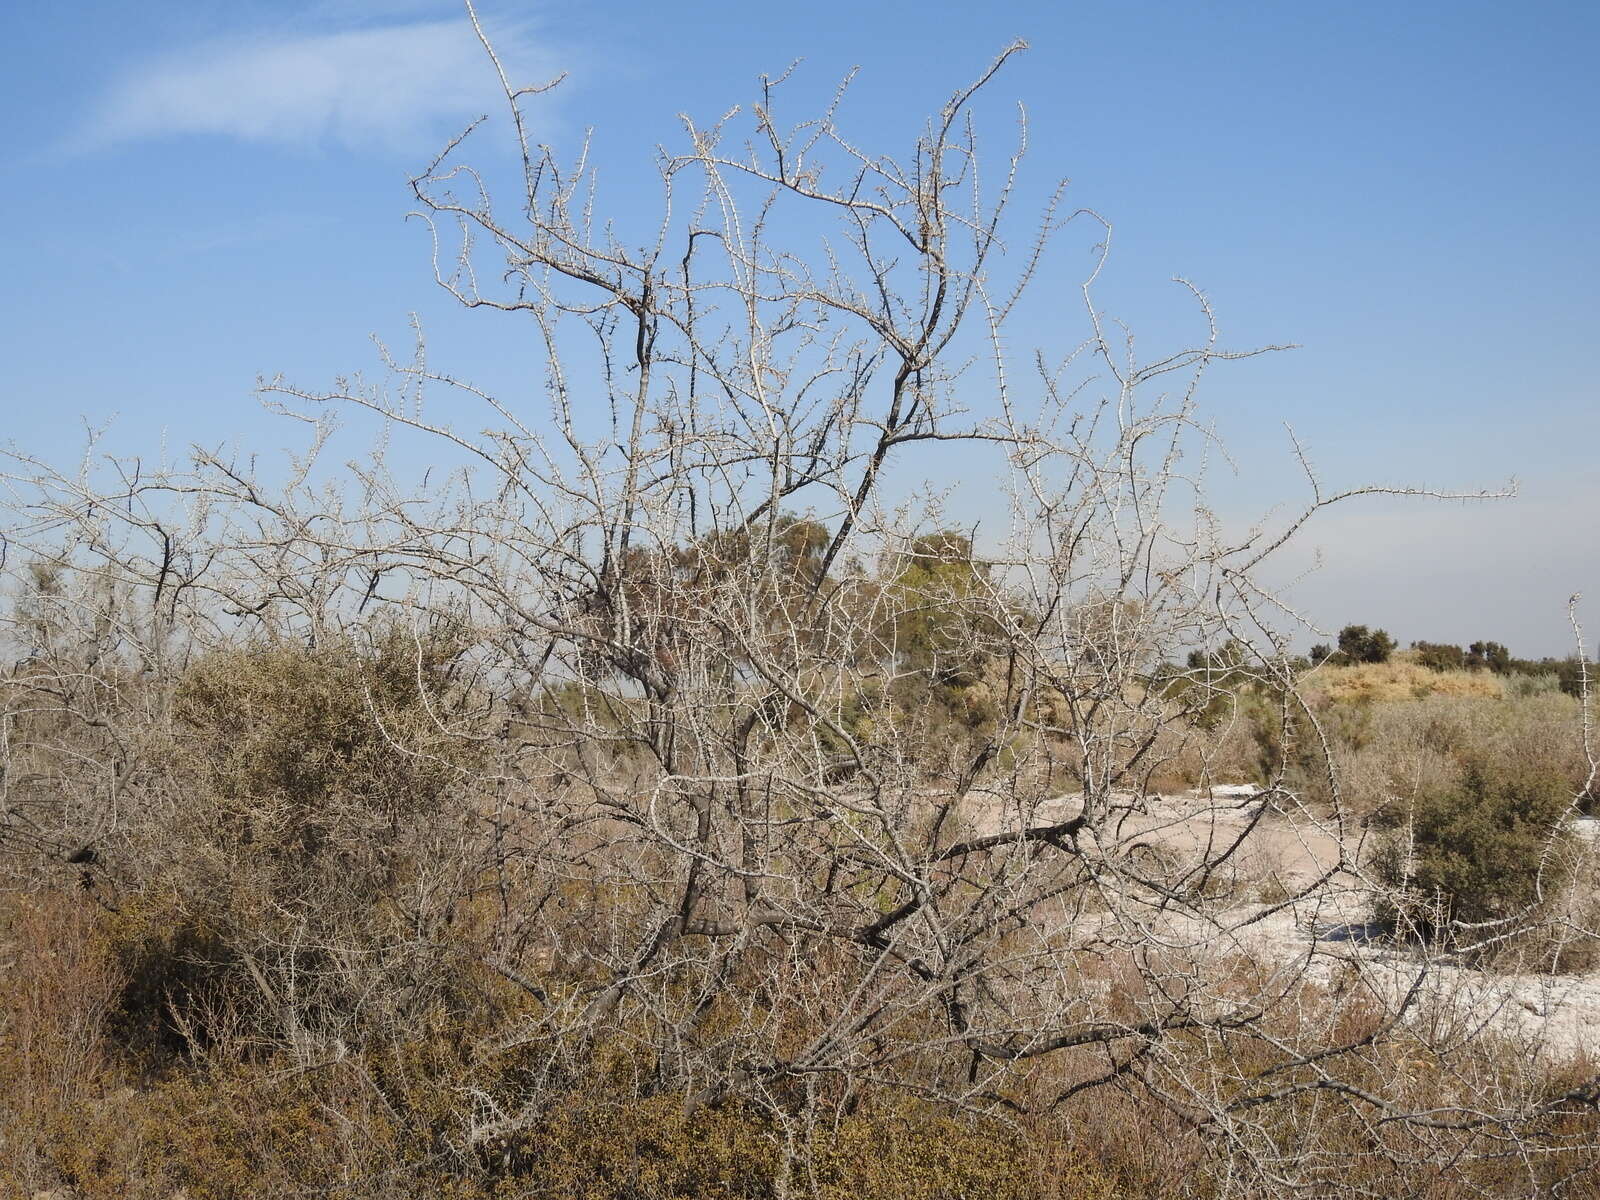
[1519, 687]
[1440, 656]
[1577, 675]
[1474, 852]
[303, 815]
[1358, 644]
[1213, 683]
[1489, 656]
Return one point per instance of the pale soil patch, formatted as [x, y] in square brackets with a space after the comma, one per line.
[1327, 936]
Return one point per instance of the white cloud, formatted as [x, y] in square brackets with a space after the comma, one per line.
[396, 87]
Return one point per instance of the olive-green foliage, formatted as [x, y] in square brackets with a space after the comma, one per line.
[1231, 722]
[607, 1148]
[1521, 687]
[1578, 676]
[941, 614]
[940, 633]
[1490, 656]
[414, 1114]
[1567, 673]
[1391, 751]
[1477, 849]
[252, 1132]
[1573, 675]
[420, 1114]
[1358, 644]
[318, 735]
[1301, 746]
[1209, 686]
[303, 811]
[1440, 656]
[654, 604]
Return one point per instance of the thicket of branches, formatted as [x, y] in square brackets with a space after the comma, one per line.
[671, 755]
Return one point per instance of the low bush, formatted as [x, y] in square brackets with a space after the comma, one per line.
[82, 1115]
[301, 857]
[1439, 656]
[1520, 687]
[1391, 752]
[1476, 859]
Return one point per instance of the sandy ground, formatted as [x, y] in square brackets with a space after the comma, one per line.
[1328, 935]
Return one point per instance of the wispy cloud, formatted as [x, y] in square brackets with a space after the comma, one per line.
[392, 87]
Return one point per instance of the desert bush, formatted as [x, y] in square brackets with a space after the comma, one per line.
[1476, 856]
[59, 986]
[1578, 676]
[442, 1110]
[1439, 656]
[1520, 687]
[1358, 644]
[611, 1149]
[1313, 750]
[1230, 721]
[388, 1119]
[1207, 687]
[1389, 752]
[1237, 748]
[303, 855]
[1488, 656]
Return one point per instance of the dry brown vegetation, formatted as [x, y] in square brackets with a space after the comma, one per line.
[1398, 731]
[1399, 679]
[599, 825]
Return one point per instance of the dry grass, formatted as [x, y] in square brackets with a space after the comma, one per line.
[1392, 752]
[1397, 680]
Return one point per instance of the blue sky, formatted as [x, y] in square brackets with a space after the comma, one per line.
[197, 194]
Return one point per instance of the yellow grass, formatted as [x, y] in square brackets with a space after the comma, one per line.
[1401, 680]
